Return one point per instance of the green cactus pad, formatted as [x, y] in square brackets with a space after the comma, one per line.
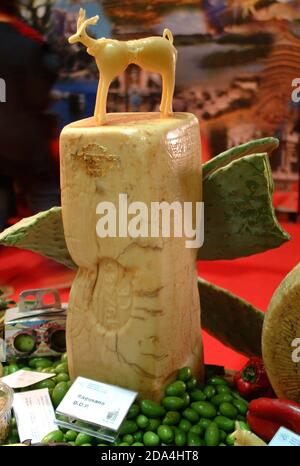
[257, 146]
[239, 218]
[231, 320]
[42, 233]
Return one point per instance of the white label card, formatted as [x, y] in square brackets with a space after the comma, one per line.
[285, 438]
[97, 403]
[34, 414]
[22, 379]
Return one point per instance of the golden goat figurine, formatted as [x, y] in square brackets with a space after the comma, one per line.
[154, 54]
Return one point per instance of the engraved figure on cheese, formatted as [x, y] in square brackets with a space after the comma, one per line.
[156, 54]
[133, 315]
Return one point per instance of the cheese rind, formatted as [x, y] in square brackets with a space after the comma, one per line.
[133, 317]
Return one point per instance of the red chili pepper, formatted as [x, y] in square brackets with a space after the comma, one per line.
[261, 427]
[252, 381]
[266, 415]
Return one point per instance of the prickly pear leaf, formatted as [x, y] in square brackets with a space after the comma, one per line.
[239, 218]
[42, 233]
[231, 320]
[257, 146]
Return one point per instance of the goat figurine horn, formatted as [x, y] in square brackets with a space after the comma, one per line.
[81, 17]
[82, 23]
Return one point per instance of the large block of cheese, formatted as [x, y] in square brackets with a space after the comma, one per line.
[134, 313]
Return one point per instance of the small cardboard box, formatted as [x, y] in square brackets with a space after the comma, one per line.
[35, 328]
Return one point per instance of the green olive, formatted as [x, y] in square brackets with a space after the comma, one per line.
[142, 421]
[56, 437]
[151, 439]
[165, 433]
[82, 439]
[184, 374]
[176, 388]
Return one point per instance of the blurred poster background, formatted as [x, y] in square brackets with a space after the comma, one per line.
[238, 70]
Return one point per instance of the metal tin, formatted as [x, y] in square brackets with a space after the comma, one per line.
[35, 327]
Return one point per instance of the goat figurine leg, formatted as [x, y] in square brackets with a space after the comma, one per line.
[168, 84]
[99, 91]
[101, 100]
[163, 95]
[170, 92]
